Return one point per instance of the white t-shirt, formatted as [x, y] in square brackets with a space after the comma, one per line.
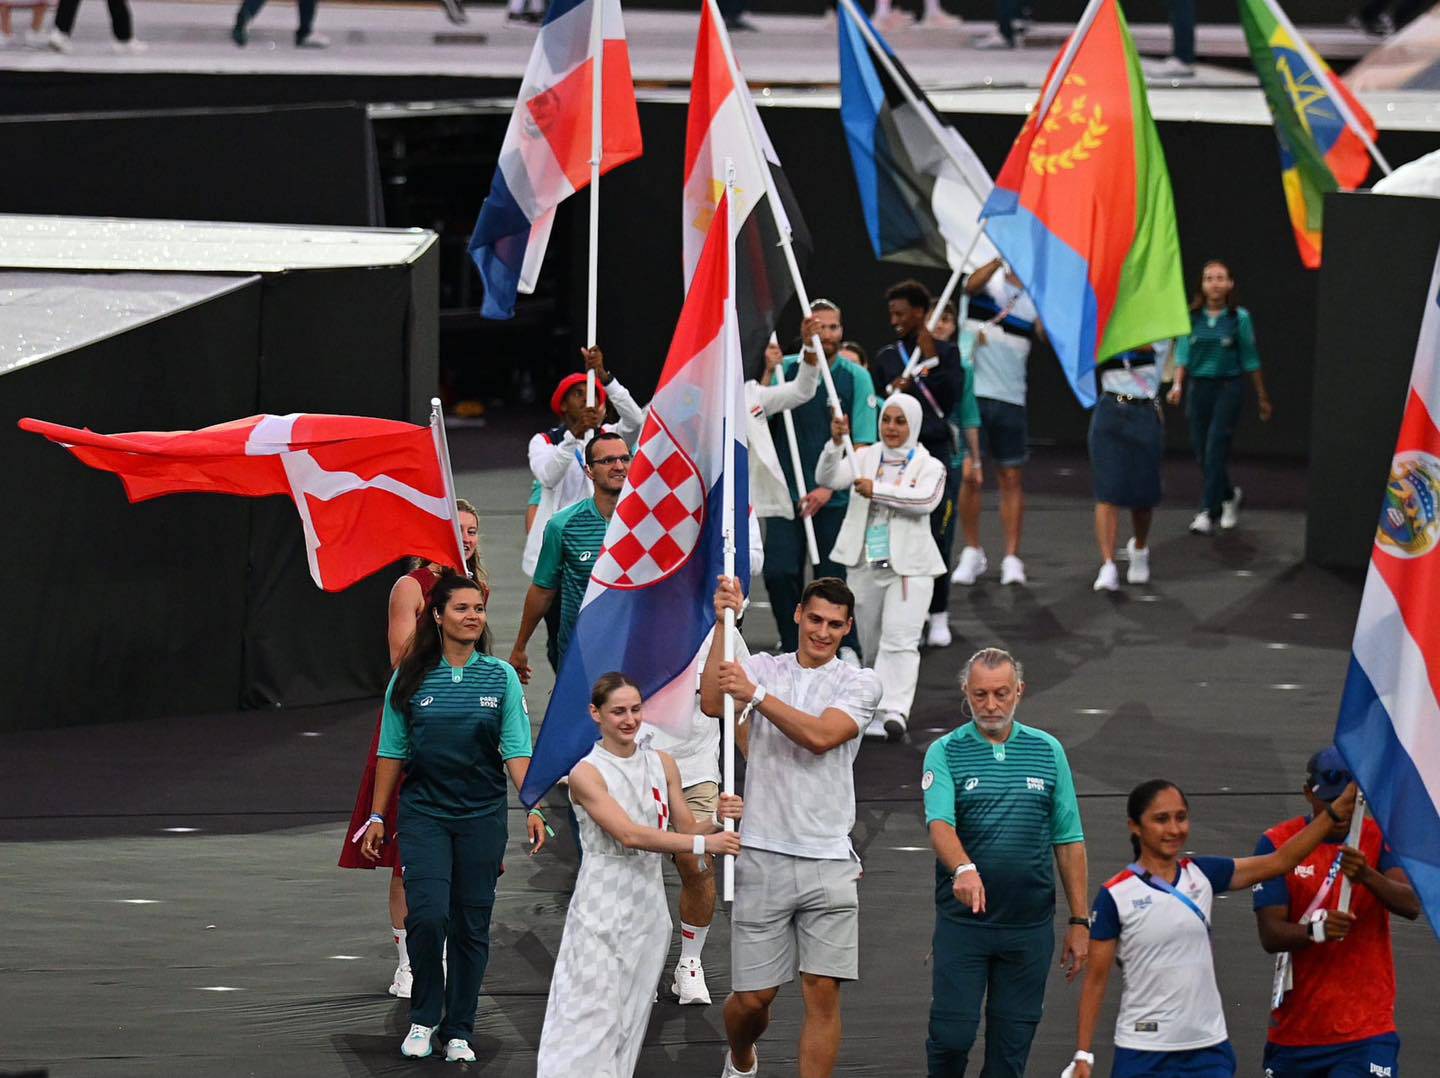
[1000, 363]
[1170, 1002]
[797, 802]
[697, 751]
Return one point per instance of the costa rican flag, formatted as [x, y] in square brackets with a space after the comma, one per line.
[649, 605]
[1389, 726]
[546, 154]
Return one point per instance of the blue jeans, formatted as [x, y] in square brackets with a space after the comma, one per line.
[1213, 410]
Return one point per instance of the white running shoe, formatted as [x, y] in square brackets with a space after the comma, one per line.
[875, 729]
[847, 656]
[59, 42]
[1108, 579]
[312, 40]
[689, 983]
[133, 47]
[1230, 510]
[938, 635]
[992, 41]
[1139, 570]
[1172, 67]
[458, 1051]
[416, 1044]
[732, 1071]
[1012, 570]
[1202, 524]
[972, 566]
[402, 984]
[893, 723]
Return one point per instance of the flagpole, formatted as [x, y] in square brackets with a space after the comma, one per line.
[442, 451]
[1067, 57]
[727, 508]
[597, 149]
[783, 228]
[1357, 827]
[1323, 72]
[811, 546]
[934, 319]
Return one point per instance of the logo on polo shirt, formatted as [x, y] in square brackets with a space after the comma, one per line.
[427, 701]
[927, 780]
[489, 701]
[1305, 870]
[1140, 903]
[1035, 784]
[585, 556]
[1381, 1072]
[970, 784]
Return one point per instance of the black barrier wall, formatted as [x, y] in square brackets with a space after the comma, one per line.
[197, 603]
[1372, 297]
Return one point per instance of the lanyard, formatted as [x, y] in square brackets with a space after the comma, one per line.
[880, 465]
[1164, 885]
[1324, 892]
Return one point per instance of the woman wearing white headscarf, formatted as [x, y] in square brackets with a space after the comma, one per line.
[886, 542]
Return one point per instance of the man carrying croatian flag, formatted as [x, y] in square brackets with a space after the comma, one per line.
[648, 607]
[1389, 725]
[550, 147]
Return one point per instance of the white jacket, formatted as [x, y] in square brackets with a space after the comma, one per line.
[560, 468]
[770, 494]
[909, 502]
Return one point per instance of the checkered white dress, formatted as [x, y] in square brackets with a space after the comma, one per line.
[617, 932]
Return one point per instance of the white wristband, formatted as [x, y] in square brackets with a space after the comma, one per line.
[960, 870]
[1087, 1058]
[1317, 926]
[698, 846]
[759, 697]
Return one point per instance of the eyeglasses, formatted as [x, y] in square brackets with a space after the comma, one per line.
[605, 462]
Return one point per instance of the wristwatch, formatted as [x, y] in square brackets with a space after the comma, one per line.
[1083, 922]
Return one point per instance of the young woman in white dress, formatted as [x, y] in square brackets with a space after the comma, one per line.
[627, 798]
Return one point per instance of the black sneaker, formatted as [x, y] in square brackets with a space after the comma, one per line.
[240, 33]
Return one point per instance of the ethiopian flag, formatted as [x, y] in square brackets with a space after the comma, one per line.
[1082, 208]
[1319, 150]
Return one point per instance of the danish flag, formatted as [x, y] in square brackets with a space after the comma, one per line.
[368, 491]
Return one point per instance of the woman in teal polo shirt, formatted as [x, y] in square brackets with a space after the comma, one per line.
[455, 721]
[1220, 348]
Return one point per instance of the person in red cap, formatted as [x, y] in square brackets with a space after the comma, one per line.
[557, 455]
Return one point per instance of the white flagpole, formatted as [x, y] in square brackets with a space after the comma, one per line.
[1067, 57]
[781, 226]
[811, 545]
[1357, 826]
[727, 507]
[442, 450]
[934, 319]
[1322, 72]
[597, 150]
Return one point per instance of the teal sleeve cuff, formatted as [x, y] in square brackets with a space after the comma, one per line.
[394, 731]
[938, 786]
[547, 563]
[864, 422]
[1065, 826]
[514, 719]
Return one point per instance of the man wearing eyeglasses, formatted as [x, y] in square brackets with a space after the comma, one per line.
[569, 549]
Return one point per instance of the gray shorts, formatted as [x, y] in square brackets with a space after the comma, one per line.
[793, 913]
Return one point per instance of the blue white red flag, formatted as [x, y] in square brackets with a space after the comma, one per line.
[546, 154]
[649, 605]
[1389, 725]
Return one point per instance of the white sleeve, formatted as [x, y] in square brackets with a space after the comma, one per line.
[757, 546]
[858, 697]
[632, 418]
[548, 461]
[917, 500]
[788, 395]
[833, 469]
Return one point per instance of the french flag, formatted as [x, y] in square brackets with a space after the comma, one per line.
[546, 154]
[649, 605]
[1389, 725]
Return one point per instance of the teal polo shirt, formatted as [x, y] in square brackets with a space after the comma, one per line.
[572, 541]
[856, 390]
[1219, 346]
[1011, 804]
[455, 735]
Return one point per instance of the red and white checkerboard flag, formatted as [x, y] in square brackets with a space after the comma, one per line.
[369, 491]
[650, 601]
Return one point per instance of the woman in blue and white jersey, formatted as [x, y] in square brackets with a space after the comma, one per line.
[1154, 917]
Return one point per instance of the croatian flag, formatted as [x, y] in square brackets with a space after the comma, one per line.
[1389, 725]
[546, 154]
[650, 601]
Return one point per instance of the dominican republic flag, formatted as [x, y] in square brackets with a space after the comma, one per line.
[1389, 725]
[369, 491]
[650, 600]
[546, 154]
[1082, 208]
[723, 123]
[921, 185]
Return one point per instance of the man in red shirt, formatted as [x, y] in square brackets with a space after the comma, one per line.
[1334, 996]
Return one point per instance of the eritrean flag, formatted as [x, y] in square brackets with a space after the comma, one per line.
[1315, 120]
[1082, 208]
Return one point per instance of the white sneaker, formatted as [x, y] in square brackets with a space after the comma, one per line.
[938, 635]
[992, 41]
[313, 41]
[847, 656]
[1202, 524]
[416, 1044]
[1012, 570]
[1108, 579]
[1172, 67]
[1230, 510]
[59, 42]
[458, 1051]
[1139, 571]
[404, 980]
[972, 566]
[689, 983]
[133, 47]
[894, 725]
[875, 729]
[732, 1071]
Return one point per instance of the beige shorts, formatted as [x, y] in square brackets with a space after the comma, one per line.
[703, 799]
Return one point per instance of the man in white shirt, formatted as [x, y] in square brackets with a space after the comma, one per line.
[796, 895]
[1002, 353]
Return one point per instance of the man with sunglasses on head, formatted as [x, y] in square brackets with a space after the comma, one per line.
[1000, 806]
[569, 549]
[1334, 990]
[785, 549]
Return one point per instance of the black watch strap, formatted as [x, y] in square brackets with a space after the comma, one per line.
[1080, 921]
[1330, 811]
